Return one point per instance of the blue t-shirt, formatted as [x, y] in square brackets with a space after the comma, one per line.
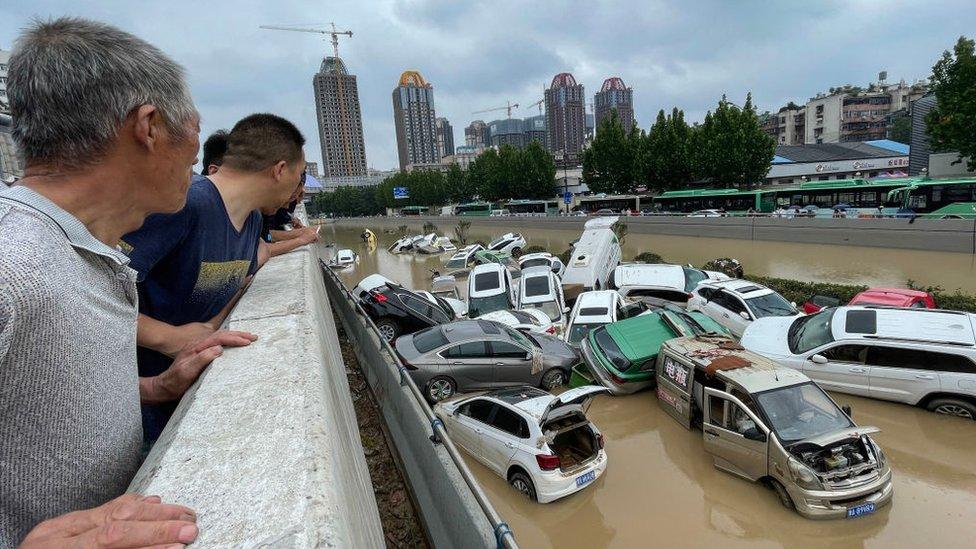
[190, 265]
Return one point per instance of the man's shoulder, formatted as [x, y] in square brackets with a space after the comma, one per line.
[34, 252]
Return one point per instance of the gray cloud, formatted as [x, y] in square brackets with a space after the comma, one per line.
[480, 54]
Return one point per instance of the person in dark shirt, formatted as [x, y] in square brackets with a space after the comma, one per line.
[214, 149]
[192, 264]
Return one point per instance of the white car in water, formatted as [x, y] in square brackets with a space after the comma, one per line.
[508, 243]
[596, 308]
[736, 303]
[542, 259]
[490, 288]
[343, 258]
[542, 444]
[540, 289]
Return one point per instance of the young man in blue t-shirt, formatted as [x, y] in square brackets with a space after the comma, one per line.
[193, 264]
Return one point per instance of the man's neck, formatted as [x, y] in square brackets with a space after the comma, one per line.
[97, 199]
[241, 193]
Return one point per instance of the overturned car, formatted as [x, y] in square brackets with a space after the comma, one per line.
[772, 424]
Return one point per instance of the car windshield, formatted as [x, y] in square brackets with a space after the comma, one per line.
[693, 277]
[427, 340]
[610, 349]
[551, 308]
[536, 286]
[810, 332]
[457, 263]
[486, 281]
[801, 412]
[540, 262]
[478, 306]
[770, 305]
[498, 240]
[578, 331]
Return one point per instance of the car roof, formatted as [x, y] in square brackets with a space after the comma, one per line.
[516, 395]
[641, 337]
[538, 270]
[641, 274]
[463, 330]
[597, 298]
[742, 288]
[723, 357]
[910, 325]
[536, 255]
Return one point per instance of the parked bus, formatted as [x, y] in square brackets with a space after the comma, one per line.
[617, 203]
[938, 198]
[473, 208]
[732, 201]
[414, 210]
[533, 207]
[856, 197]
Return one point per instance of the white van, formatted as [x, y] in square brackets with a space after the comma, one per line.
[594, 257]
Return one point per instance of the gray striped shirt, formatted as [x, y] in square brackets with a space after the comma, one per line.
[70, 430]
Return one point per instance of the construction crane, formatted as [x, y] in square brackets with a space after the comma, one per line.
[539, 104]
[507, 108]
[345, 132]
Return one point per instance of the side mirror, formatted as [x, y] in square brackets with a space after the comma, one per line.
[793, 303]
[818, 359]
[753, 433]
[847, 410]
[528, 356]
[745, 315]
[565, 310]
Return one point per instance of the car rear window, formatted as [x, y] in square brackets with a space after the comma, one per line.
[610, 349]
[862, 322]
[427, 340]
[593, 311]
[486, 281]
[535, 263]
[536, 285]
[693, 277]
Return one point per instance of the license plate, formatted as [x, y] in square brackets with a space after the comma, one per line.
[584, 478]
[860, 510]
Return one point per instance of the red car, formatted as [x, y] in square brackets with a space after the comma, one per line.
[888, 297]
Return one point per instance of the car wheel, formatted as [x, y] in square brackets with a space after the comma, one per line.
[388, 328]
[553, 378]
[440, 388]
[784, 496]
[521, 482]
[953, 407]
[516, 252]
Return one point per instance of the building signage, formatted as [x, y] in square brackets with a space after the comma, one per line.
[827, 168]
[401, 192]
[898, 162]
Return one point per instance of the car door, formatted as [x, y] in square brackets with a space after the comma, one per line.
[674, 383]
[470, 422]
[719, 308]
[469, 365]
[736, 307]
[499, 437]
[511, 363]
[727, 422]
[845, 371]
[904, 375]
[419, 309]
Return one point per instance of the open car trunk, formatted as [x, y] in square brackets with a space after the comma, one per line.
[573, 440]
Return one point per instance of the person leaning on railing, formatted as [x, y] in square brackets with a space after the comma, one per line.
[109, 133]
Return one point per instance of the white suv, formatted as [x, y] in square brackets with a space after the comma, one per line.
[922, 357]
[508, 243]
[543, 445]
[540, 289]
[490, 288]
[736, 303]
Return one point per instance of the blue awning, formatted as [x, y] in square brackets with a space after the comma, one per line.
[895, 146]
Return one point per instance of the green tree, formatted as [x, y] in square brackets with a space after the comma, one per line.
[608, 164]
[666, 157]
[901, 130]
[732, 149]
[457, 185]
[538, 172]
[951, 124]
[483, 176]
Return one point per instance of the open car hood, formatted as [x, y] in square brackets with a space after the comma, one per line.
[827, 439]
[601, 222]
[570, 401]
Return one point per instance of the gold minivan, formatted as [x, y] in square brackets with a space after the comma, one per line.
[769, 423]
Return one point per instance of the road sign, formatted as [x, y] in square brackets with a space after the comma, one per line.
[567, 197]
[401, 192]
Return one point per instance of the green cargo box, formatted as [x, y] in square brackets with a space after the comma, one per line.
[581, 376]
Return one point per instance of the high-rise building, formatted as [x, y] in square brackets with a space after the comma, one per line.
[615, 95]
[534, 129]
[312, 169]
[413, 114]
[4, 60]
[506, 132]
[477, 134]
[445, 137]
[340, 120]
[565, 117]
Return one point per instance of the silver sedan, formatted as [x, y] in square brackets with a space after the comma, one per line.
[473, 355]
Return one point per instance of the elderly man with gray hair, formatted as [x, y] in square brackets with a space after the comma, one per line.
[109, 133]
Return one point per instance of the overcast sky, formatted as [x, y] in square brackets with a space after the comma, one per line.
[477, 55]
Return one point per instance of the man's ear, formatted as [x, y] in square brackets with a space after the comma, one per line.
[147, 126]
[278, 170]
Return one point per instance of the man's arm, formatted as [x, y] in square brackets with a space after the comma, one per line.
[280, 236]
[308, 235]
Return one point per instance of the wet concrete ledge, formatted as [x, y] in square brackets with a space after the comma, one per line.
[938, 235]
[265, 446]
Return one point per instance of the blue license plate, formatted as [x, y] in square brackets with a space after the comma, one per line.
[860, 510]
[583, 479]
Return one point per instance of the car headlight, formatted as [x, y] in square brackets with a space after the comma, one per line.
[803, 476]
[879, 453]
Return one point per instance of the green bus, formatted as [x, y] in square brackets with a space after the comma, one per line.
[414, 210]
[857, 197]
[473, 209]
[731, 201]
[938, 198]
[532, 207]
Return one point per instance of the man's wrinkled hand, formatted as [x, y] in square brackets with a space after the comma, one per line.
[309, 235]
[191, 361]
[127, 521]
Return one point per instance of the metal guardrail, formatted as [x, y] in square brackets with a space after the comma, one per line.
[501, 531]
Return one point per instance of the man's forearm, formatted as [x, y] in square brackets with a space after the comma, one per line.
[280, 236]
[157, 335]
[149, 391]
[278, 248]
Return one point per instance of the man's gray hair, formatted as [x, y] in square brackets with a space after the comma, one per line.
[72, 82]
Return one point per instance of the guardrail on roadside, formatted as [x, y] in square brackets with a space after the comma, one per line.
[426, 450]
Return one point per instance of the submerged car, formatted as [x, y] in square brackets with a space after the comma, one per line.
[736, 303]
[474, 355]
[343, 258]
[889, 297]
[659, 284]
[396, 310]
[528, 320]
[540, 290]
[621, 355]
[508, 243]
[543, 445]
[542, 259]
[490, 288]
[595, 309]
[463, 258]
[767, 423]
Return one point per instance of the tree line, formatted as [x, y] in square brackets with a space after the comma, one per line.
[728, 149]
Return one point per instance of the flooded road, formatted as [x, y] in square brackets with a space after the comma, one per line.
[661, 488]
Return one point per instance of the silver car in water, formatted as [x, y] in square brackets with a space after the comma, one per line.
[473, 355]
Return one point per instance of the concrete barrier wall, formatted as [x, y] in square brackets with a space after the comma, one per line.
[265, 446]
[449, 509]
[941, 235]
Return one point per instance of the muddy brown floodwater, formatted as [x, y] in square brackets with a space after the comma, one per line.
[661, 488]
